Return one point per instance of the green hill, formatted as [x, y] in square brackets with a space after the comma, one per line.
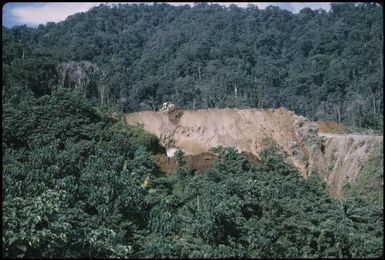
[323, 65]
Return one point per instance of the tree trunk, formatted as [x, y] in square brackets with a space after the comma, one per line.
[236, 92]
[198, 202]
[152, 102]
[374, 107]
[339, 114]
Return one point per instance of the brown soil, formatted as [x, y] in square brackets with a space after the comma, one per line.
[345, 156]
[174, 115]
[197, 131]
[329, 127]
[198, 162]
[249, 130]
[165, 163]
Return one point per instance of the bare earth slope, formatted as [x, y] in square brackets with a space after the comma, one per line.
[346, 154]
[249, 130]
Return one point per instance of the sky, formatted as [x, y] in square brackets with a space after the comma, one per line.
[33, 14]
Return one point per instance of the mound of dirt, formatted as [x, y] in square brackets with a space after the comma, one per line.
[330, 127]
[249, 130]
[198, 162]
[174, 115]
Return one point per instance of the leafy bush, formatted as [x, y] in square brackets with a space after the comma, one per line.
[79, 184]
[236, 209]
[72, 184]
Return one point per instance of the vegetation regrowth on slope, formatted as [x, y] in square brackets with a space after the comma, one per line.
[75, 184]
[78, 183]
[370, 183]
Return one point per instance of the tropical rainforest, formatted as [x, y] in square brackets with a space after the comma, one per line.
[323, 65]
[78, 182]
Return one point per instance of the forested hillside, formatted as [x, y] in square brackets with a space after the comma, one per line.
[78, 182]
[323, 65]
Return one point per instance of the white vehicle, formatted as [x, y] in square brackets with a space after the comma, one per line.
[167, 106]
[171, 152]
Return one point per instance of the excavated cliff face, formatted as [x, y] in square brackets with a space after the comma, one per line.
[249, 130]
[345, 156]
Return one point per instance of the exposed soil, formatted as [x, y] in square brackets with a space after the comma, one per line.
[345, 156]
[198, 162]
[336, 157]
[330, 127]
[174, 115]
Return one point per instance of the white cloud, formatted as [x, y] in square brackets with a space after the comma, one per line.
[291, 6]
[35, 14]
[298, 6]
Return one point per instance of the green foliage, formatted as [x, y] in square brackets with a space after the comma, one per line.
[78, 183]
[370, 183]
[180, 159]
[236, 209]
[323, 65]
[35, 224]
[72, 184]
[150, 141]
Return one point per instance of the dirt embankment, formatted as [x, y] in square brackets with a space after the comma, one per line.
[345, 156]
[330, 127]
[249, 130]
